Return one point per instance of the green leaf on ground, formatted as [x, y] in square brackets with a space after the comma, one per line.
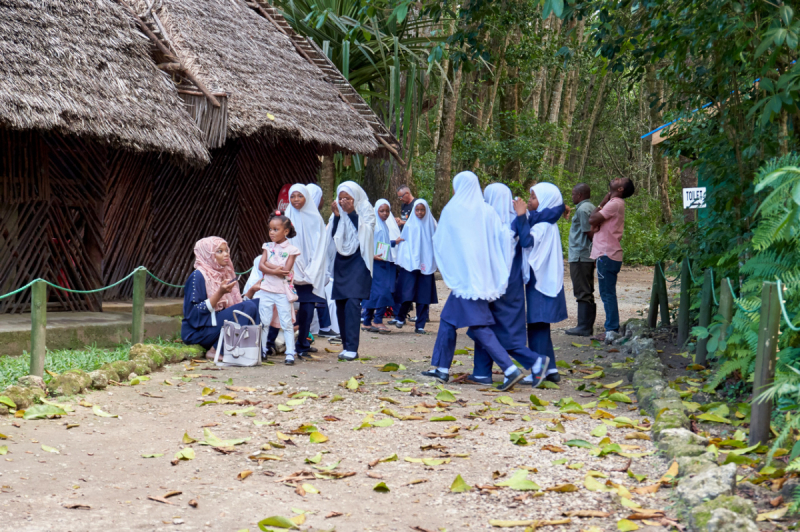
[620, 398]
[3, 450]
[579, 443]
[49, 449]
[599, 431]
[187, 453]
[443, 418]
[538, 402]
[446, 397]
[352, 384]
[317, 437]
[381, 487]
[43, 411]
[100, 413]
[390, 367]
[519, 481]
[8, 402]
[276, 520]
[459, 486]
[154, 455]
[714, 418]
[212, 440]
[550, 385]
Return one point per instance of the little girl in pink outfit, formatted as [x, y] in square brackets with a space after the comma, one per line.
[276, 264]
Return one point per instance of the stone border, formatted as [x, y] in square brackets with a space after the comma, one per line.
[142, 360]
[705, 491]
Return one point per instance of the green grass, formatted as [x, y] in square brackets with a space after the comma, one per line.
[59, 361]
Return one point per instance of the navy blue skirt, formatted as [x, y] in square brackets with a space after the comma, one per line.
[416, 287]
[509, 310]
[305, 294]
[460, 312]
[383, 276]
[351, 277]
[542, 308]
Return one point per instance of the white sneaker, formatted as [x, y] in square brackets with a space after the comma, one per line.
[348, 355]
[611, 336]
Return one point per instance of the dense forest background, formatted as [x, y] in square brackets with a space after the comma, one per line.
[505, 89]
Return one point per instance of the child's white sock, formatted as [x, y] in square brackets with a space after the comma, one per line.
[537, 366]
[444, 370]
[550, 371]
[510, 369]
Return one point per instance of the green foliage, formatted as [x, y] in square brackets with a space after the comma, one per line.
[61, 360]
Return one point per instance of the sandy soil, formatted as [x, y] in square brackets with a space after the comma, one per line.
[100, 465]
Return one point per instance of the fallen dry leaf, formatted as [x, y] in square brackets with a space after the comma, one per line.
[333, 514]
[158, 499]
[169, 494]
[643, 513]
[77, 506]
[646, 490]
[586, 513]
[193, 503]
[244, 474]
[777, 501]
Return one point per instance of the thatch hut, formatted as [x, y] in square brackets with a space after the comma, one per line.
[110, 111]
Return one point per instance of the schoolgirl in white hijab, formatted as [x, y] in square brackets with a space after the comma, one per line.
[471, 244]
[471, 248]
[309, 268]
[386, 231]
[415, 257]
[351, 238]
[545, 290]
[384, 271]
[509, 310]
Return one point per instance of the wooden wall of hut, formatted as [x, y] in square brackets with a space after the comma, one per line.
[232, 198]
[51, 217]
[83, 215]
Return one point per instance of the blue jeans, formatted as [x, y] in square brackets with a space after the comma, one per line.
[607, 271]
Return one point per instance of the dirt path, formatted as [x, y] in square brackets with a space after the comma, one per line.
[100, 463]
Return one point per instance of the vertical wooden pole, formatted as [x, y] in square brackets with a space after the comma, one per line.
[765, 362]
[38, 327]
[663, 299]
[683, 311]
[725, 308]
[705, 317]
[137, 329]
[655, 293]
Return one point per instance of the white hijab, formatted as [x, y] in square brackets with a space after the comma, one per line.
[386, 231]
[499, 197]
[470, 242]
[547, 256]
[309, 268]
[349, 238]
[415, 252]
[316, 194]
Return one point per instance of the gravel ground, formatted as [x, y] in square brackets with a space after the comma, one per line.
[100, 463]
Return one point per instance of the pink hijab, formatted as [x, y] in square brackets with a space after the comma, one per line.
[214, 274]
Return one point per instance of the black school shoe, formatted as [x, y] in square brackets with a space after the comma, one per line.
[438, 375]
[510, 380]
[484, 381]
[289, 360]
[270, 352]
[327, 334]
[553, 377]
[420, 331]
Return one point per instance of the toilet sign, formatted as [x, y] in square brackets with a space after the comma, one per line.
[694, 198]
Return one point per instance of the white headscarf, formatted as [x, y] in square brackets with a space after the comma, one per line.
[316, 193]
[499, 197]
[309, 268]
[386, 231]
[348, 238]
[415, 252]
[547, 256]
[470, 242]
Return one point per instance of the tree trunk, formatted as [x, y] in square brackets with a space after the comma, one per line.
[659, 161]
[498, 73]
[577, 134]
[437, 125]
[555, 106]
[444, 157]
[569, 112]
[599, 104]
[327, 180]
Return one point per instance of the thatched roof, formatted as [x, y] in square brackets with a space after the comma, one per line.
[271, 88]
[77, 67]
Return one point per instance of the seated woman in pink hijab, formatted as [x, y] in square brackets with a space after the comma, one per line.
[212, 294]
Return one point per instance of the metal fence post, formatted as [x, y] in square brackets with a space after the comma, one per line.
[685, 303]
[705, 317]
[137, 328]
[765, 362]
[38, 327]
[725, 308]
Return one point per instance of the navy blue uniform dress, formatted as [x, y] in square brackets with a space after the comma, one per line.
[381, 295]
[458, 313]
[352, 283]
[415, 287]
[542, 311]
[202, 326]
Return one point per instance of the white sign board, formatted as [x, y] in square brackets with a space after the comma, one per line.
[694, 198]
